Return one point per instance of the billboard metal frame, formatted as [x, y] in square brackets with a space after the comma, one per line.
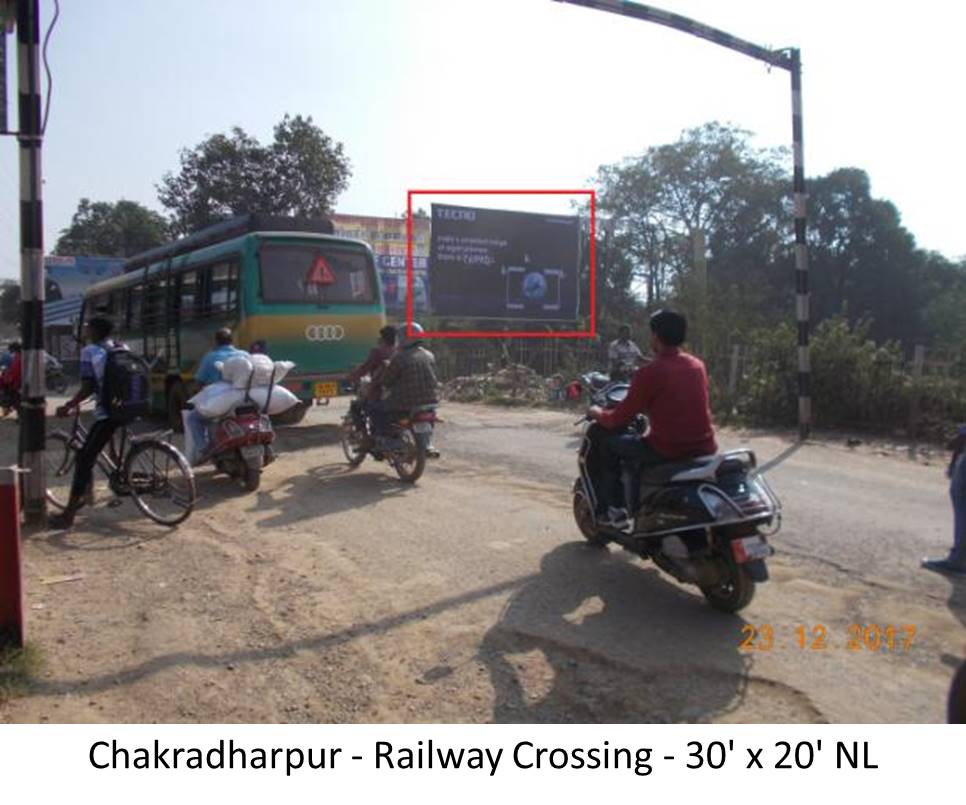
[591, 332]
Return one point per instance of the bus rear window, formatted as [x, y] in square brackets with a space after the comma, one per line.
[315, 275]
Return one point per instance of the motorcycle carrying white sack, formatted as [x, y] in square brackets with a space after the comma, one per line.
[220, 398]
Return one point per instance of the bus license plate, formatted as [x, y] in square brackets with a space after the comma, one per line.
[326, 389]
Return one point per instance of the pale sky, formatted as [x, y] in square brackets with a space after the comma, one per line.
[492, 94]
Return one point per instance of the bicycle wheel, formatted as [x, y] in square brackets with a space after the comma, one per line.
[161, 482]
[59, 469]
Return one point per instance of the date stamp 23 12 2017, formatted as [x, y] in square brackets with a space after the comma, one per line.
[856, 637]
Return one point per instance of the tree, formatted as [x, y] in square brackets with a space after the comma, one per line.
[111, 230]
[710, 180]
[301, 172]
[865, 264]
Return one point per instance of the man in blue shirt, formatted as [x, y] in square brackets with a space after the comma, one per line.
[224, 349]
[206, 374]
[93, 359]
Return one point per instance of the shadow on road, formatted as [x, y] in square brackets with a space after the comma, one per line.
[787, 453]
[304, 437]
[316, 492]
[595, 638]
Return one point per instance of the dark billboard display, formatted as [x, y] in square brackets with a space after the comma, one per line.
[498, 264]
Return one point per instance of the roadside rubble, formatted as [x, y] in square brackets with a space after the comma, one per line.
[511, 385]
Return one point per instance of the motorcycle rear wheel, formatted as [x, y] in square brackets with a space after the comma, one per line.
[734, 592]
[410, 461]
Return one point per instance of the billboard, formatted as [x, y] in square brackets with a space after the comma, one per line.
[387, 237]
[66, 279]
[499, 264]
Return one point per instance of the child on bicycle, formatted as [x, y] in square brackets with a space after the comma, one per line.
[93, 359]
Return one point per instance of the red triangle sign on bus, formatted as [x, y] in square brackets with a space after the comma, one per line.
[321, 273]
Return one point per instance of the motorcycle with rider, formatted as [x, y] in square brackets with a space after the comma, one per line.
[394, 417]
[657, 486]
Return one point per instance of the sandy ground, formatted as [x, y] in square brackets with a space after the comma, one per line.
[345, 596]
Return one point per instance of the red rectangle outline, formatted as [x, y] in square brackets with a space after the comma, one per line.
[502, 334]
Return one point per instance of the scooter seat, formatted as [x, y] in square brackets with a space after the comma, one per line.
[701, 468]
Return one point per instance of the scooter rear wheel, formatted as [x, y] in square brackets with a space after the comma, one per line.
[585, 520]
[734, 592]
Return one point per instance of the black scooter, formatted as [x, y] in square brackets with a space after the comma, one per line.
[705, 521]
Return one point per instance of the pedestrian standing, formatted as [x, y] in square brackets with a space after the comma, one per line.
[955, 563]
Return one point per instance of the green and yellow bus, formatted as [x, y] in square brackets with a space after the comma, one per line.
[284, 284]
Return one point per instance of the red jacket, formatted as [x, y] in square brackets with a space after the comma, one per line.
[673, 391]
[378, 355]
[14, 373]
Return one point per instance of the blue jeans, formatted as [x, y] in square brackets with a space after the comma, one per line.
[626, 450]
[957, 492]
[198, 426]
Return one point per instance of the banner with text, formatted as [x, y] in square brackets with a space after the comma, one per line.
[499, 264]
[387, 237]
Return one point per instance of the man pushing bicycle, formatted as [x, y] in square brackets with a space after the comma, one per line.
[119, 381]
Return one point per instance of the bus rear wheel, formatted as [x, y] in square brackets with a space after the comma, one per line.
[177, 398]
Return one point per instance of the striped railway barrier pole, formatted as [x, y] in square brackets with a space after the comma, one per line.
[787, 59]
[33, 403]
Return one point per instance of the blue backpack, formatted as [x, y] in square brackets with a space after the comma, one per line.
[126, 391]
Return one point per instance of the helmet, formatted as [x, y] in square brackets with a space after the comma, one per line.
[414, 334]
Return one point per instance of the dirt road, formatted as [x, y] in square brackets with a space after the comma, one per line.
[337, 595]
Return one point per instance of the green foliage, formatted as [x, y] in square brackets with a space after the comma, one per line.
[301, 172]
[768, 393]
[856, 383]
[103, 229]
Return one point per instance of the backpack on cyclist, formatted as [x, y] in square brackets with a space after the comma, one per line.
[126, 392]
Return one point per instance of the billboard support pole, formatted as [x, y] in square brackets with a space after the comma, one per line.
[33, 404]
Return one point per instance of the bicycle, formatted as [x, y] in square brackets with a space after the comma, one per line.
[145, 467]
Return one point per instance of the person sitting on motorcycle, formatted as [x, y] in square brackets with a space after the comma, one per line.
[673, 391]
[207, 374]
[11, 378]
[374, 365]
[623, 355]
[410, 382]
[378, 357]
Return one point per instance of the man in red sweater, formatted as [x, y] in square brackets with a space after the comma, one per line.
[673, 391]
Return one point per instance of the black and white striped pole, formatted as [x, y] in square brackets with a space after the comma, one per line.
[787, 60]
[801, 250]
[33, 403]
